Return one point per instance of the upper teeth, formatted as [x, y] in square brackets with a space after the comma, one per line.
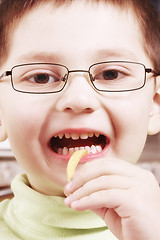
[76, 136]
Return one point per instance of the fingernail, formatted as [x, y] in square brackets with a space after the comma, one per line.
[69, 186]
[67, 189]
[67, 200]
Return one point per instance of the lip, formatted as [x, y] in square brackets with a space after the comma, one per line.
[87, 157]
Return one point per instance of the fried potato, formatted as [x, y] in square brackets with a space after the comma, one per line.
[73, 162]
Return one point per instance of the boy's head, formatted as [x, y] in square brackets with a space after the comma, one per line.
[12, 11]
[43, 129]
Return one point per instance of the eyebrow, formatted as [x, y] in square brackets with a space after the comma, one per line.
[39, 57]
[117, 54]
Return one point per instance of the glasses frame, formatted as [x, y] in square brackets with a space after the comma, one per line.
[65, 78]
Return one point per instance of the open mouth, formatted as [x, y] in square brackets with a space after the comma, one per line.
[68, 143]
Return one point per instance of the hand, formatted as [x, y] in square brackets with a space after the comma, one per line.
[125, 196]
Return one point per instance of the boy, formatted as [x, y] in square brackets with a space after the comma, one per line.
[80, 74]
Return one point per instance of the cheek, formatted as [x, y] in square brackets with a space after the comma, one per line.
[22, 130]
[130, 116]
[23, 121]
[24, 114]
[23, 134]
[130, 111]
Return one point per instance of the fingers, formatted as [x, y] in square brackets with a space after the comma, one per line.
[94, 182]
[98, 169]
[100, 199]
[102, 183]
[98, 184]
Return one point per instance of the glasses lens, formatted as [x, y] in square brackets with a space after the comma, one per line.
[117, 76]
[39, 78]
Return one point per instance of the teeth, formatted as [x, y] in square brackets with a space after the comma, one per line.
[99, 148]
[65, 151]
[90, 134]
[93, 149]
[81, 148]
[67, 135]
[60, 151]
[76, 136]
[71, 151]
[60, 135]
[88, 149]
[84, 136]
[77, 148]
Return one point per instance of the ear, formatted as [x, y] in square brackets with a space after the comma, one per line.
[154, 118]
[3, 133]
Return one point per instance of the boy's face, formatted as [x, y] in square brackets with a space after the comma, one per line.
[76, 36]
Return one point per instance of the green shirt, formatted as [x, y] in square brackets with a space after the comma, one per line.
[31, 215]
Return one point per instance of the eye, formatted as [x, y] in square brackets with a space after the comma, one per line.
[109, 75]
[43, 78]
[40, 76]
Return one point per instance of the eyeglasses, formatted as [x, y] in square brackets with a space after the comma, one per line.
[111, 76]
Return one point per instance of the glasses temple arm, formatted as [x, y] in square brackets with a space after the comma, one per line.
[149, 70]
[5, 74]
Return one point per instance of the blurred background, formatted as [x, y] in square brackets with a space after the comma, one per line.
[150, 158]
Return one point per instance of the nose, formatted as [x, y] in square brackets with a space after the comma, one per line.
[78, 96]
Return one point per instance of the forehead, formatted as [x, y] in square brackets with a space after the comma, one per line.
[77, 34]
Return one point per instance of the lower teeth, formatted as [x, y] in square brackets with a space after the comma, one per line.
[93, 149]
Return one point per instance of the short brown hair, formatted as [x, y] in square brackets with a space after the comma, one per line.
[11, 12]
